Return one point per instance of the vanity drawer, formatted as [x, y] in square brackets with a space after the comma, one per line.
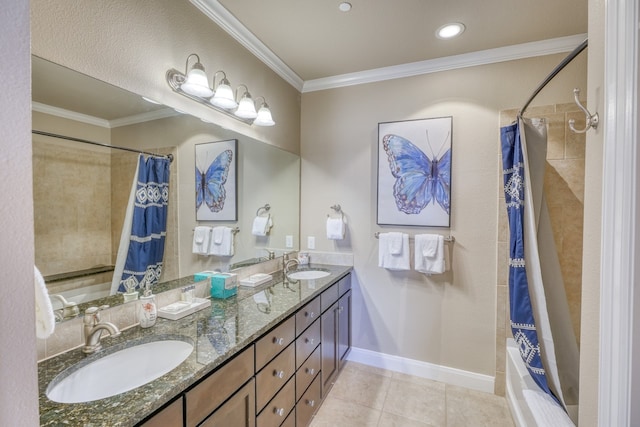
[307, 372]
[274, 342]
[291, 420]
[215, 389]
[270, 379]
[307, 314]
[307, 342]
[344, 284]
[308, 404]
[328, 297]
[169, 416]
[277, 410]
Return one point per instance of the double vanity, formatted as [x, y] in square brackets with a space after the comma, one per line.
[265, 357]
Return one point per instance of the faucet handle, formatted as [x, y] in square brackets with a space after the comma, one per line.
[92, 314]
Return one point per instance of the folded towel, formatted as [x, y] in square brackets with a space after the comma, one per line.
[261, 225]
[434, 261]
[201, 237]
[225, 247]
[45, 319]
[335, 228]
[393, 261]
[218, 235]
[395, 243]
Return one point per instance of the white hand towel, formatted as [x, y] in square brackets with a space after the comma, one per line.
[201, 237]
[429, 264]
[261, 225]
[335, 228]
[218, 235]
[393, 261]
[395, 243]
[225, 247]
[45, 319]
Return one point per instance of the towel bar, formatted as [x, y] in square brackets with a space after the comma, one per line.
[446, 238]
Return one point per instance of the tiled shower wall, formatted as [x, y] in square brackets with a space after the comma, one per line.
[80, 198]
[564, 190]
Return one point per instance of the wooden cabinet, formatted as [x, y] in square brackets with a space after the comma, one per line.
[205, 397]
[239, 411]
[170, 416]
[274, 375]
[309, 403]
[336, 332]
[277, 410]
[280, 379]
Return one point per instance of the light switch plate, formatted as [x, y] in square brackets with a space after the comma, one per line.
[311, 242]
[288, 241]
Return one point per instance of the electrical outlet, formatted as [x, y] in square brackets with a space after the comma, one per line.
[288, 241]
[311, 242]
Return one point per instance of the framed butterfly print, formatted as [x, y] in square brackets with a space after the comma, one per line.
[216, 181]
[414, 172]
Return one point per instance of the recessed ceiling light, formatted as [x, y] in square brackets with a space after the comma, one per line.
[450, 30]
[344, 6]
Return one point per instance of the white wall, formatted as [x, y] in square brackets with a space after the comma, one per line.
[448, 320]
[19, 390]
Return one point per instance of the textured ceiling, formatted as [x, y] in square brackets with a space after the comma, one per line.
[316, 40]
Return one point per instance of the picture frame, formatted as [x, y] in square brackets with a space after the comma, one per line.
[414, 172]
[216, 183]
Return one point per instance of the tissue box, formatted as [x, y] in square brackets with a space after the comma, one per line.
[224, 285]
[204, 275]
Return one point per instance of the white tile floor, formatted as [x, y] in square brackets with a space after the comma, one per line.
[372, 397]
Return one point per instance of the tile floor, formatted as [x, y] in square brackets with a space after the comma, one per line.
[371, 397]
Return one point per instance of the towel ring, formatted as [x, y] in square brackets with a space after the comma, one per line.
[266, 208]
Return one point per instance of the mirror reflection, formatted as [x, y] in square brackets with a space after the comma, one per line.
[81, 190]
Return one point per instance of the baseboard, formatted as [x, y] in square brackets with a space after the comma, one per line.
[418, 368]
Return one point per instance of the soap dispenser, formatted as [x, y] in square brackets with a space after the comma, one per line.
[147, 309]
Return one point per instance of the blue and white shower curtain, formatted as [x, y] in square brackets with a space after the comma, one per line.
[540, 320]
[139, 261]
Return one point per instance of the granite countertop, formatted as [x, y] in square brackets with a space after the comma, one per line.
[217, 334]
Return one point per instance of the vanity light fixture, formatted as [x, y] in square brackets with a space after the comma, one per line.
[196, 82]
[246, 107]
[223, 96]
[194, 85]
[449, 31]
[264, 114]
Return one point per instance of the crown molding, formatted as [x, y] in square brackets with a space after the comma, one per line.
[144, 117]
[229, 23]
[67, 114]
[221, 16]
[95, 121]
[473, 59]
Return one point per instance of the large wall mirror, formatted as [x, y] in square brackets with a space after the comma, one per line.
[81, 190]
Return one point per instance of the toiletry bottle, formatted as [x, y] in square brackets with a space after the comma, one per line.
[147, 310]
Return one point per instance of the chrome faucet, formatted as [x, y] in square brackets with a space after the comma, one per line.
[271, 254]
[93, 329]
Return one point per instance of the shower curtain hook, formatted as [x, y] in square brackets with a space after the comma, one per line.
[590, 119]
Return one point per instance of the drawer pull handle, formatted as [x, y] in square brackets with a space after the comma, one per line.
[278, 341]
[309, 314]
[278, 411]
[309, 340]
[311, 402]
[279, 374]
[311, 371]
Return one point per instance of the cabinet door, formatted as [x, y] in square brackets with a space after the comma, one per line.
[239, 411]
[329, 361]
[171, 416]
[344, 327]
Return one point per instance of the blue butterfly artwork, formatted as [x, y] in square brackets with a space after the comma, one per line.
[210, 183]
[420, 180]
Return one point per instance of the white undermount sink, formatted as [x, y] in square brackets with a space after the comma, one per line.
[307, 274]
[118, 372]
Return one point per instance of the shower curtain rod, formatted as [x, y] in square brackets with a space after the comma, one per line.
[70, 138]
[582, 46]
